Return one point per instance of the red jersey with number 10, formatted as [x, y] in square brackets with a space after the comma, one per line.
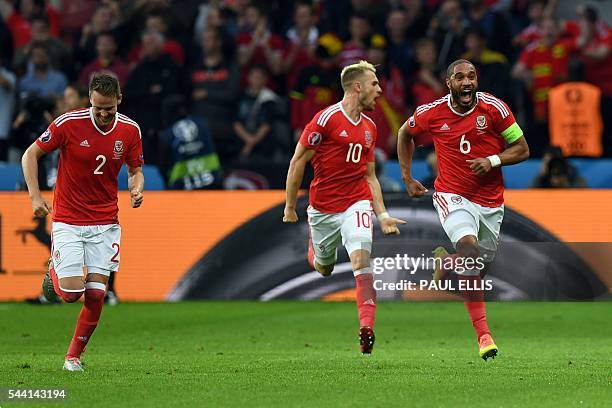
[343, 150]
[460, 137]
[90, 161]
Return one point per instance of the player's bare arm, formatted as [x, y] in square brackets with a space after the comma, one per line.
[388, 224]
[516, 152]
[135, 185]
[405, 150]
[301, 156]
[29, 164]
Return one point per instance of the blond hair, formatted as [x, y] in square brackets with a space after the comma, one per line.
[352, 72]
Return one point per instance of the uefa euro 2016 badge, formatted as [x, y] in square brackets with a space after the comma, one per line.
[118, 150]
[314, 138]
[368, 138]
[481, 122]
[45, 137]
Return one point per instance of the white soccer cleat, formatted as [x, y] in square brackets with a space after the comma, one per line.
[73, 364]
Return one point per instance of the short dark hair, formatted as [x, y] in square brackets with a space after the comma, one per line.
[107, 33]
[451, 68]
[105, 84]
[591, 15]
[40, 18]
[39, 45]
[476, 31]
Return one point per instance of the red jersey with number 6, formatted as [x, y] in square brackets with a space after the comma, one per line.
[89, 165]
[343, 149]
[460, 137]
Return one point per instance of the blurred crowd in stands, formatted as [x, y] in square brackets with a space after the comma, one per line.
[223, 85]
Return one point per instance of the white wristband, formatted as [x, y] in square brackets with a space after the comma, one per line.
[495, 160]
[383, 216]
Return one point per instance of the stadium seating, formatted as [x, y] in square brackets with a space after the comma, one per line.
[596, 172]
[11, 178]
[152, 176]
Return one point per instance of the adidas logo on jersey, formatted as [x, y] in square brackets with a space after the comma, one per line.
[445, 127]
[85, 143]
[343, 134]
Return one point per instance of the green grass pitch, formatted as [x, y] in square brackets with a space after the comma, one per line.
[306, 354]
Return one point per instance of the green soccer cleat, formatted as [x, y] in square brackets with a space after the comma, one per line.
[439, 272]
[487, 347]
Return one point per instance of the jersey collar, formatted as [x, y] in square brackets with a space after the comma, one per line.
[348, 117]
[450, 105]
[93, 120]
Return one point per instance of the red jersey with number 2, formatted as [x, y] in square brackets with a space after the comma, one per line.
[89, 165]
[343, 150]
[460, 137]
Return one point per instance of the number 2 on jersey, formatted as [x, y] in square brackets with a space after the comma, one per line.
[464, 145]
[354, 152]
[98, 169]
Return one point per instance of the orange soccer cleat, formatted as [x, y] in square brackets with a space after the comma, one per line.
[487, 347]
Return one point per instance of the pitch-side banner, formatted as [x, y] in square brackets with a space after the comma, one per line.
[554, 245]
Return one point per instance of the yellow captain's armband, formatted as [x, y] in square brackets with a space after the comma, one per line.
[513, 133]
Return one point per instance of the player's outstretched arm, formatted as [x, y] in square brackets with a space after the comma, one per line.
[301, 156]
[516, 152]
[388, 224]
[405, 150]
[29, 164]
[135, 185]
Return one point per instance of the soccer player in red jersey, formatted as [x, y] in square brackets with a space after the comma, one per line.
[94, 143]
[339, 143]
[474, 134]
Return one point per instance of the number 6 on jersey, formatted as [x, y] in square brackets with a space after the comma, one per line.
[464, 145]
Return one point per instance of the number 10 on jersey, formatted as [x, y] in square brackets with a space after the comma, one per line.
[354, 152]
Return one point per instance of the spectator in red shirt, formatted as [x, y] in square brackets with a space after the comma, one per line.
[259, 46]
[536, 11]
[156, 23]
[104, 19]
[18, 21]
[107, 61]
[59, 54]
[356, 48]
[594, 46]
[302, 42]
[542, 65]
[427, 83]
